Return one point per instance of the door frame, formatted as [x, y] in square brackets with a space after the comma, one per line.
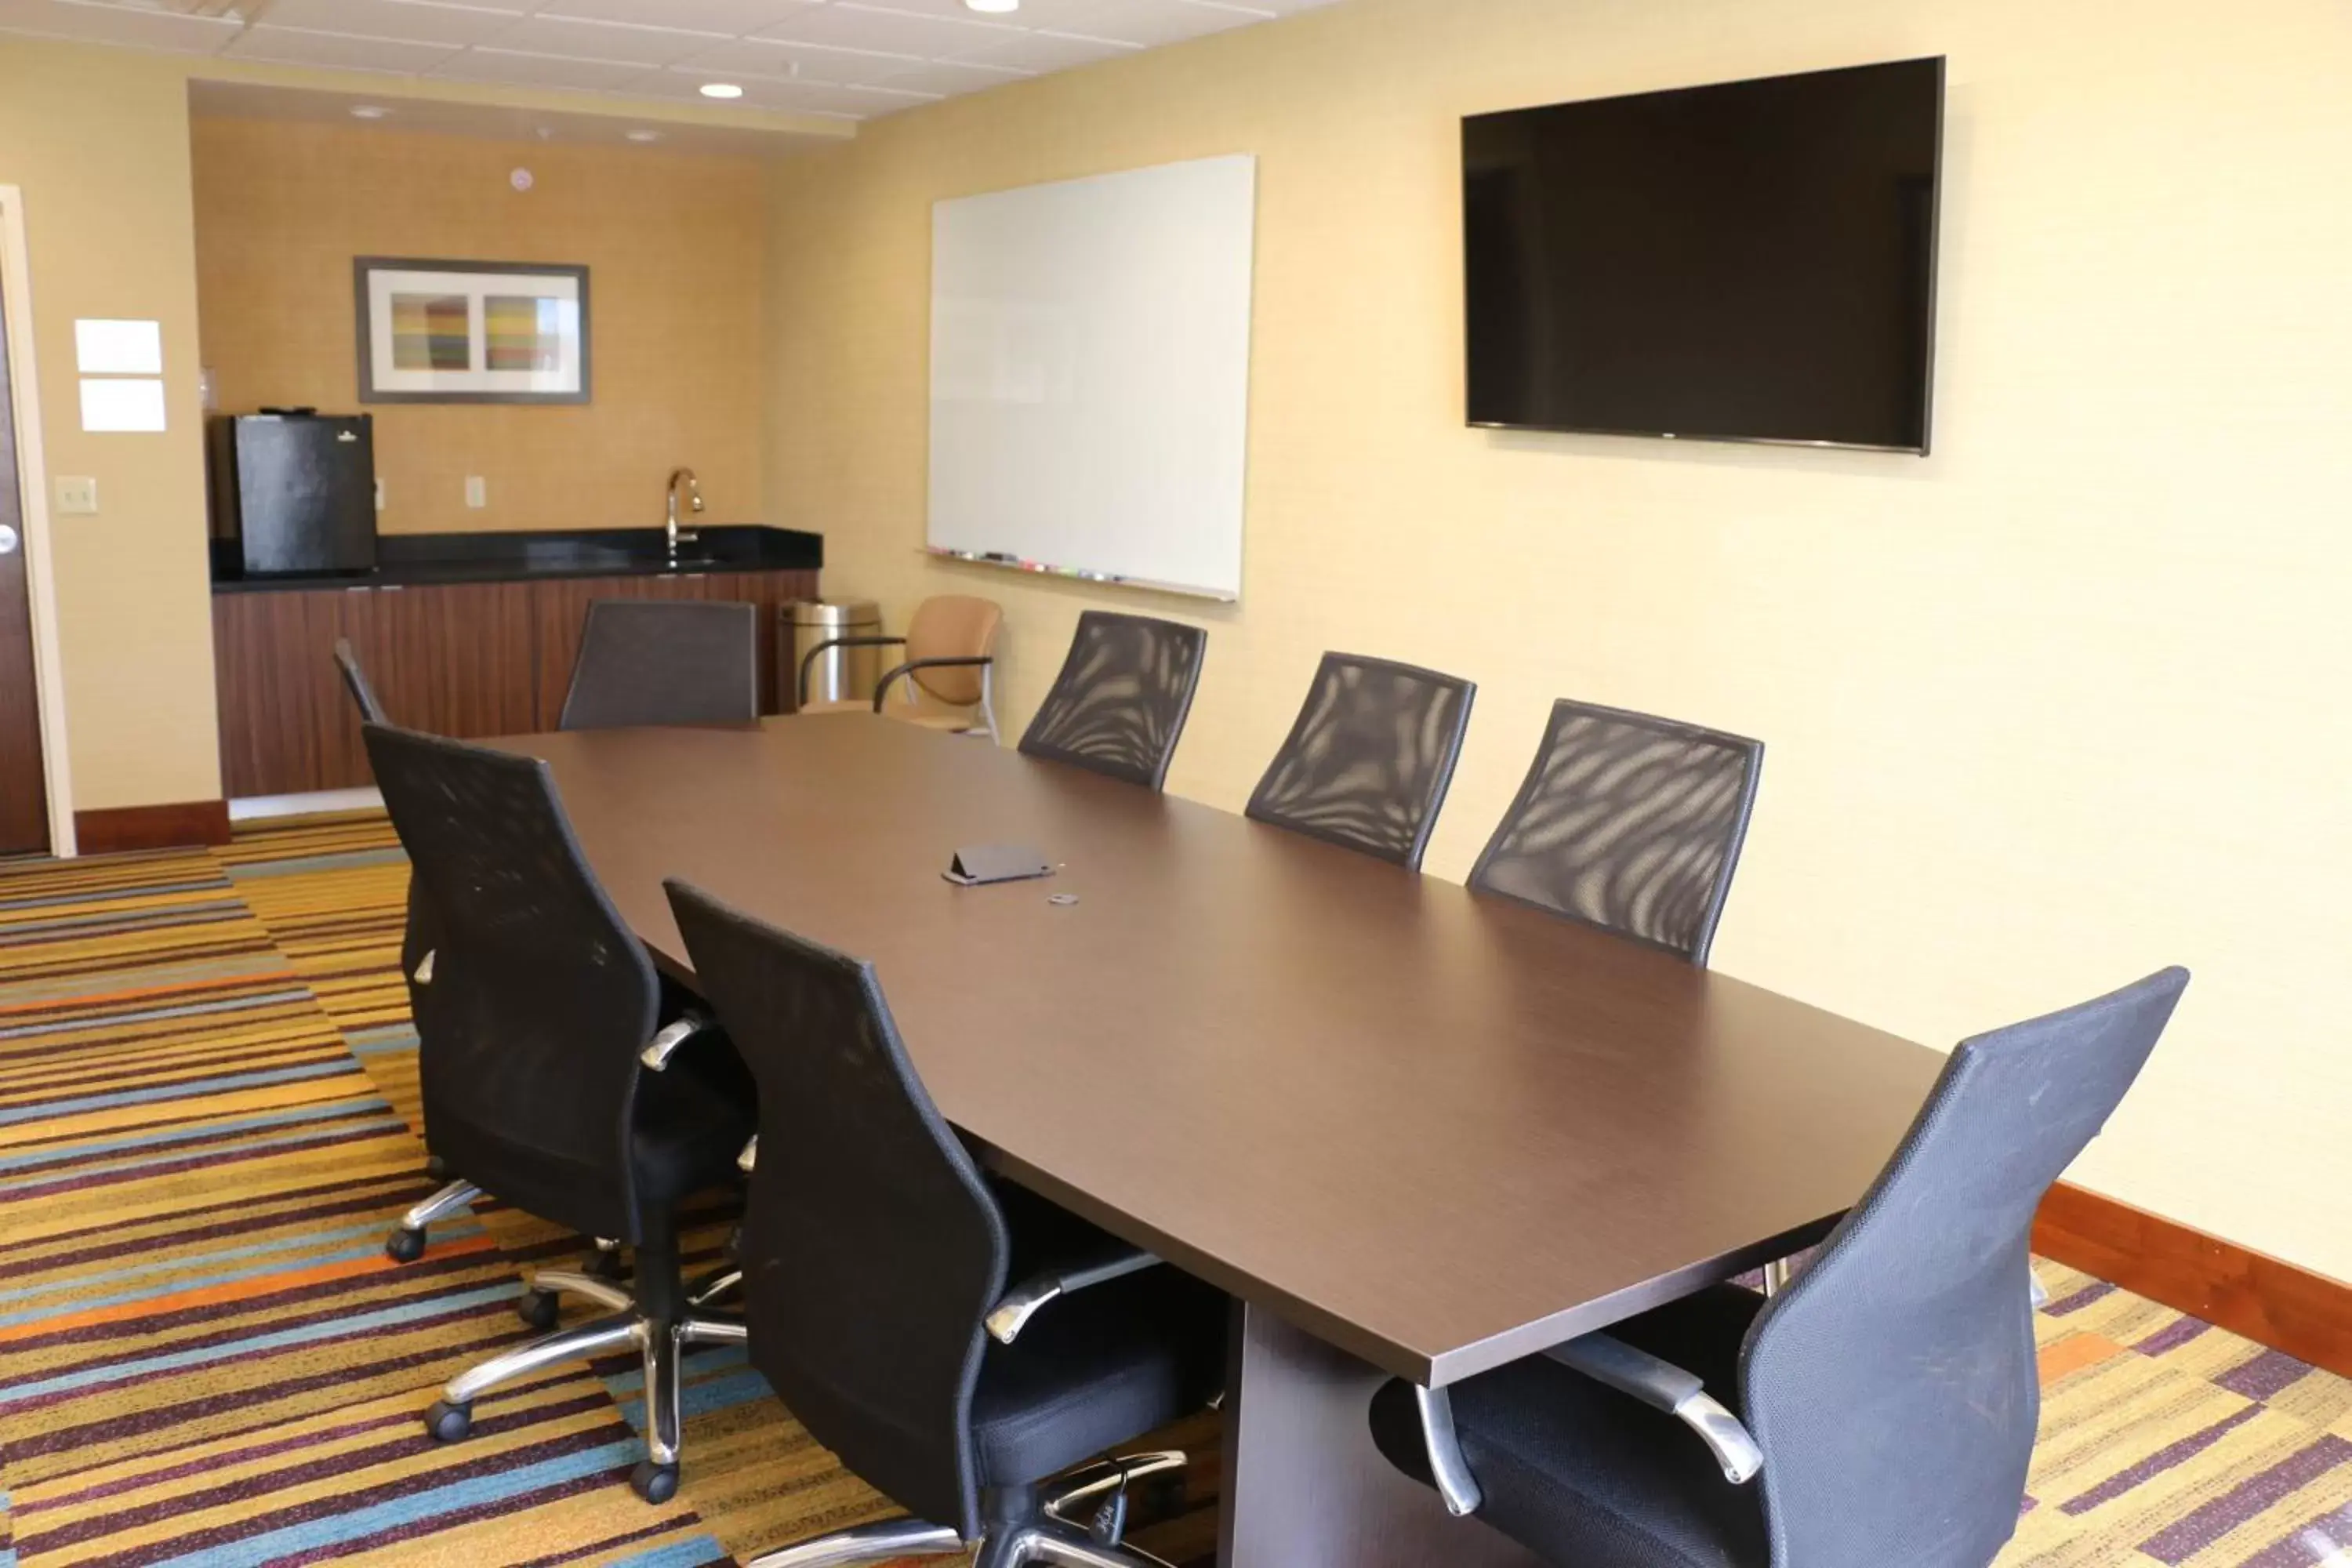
[32, 487]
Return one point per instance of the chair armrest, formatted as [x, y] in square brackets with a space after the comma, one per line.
[882, 687]
[1662, 1385]
[809, 658]
[664, 1045]
[1025, 1301]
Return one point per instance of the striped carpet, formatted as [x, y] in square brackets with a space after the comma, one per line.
[207, 1097]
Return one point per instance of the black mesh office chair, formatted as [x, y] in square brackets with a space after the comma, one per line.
[1119, 704]
[545, 1081]
[355, 682]
[1884, 1405]
[407, 1243]
[1629, 823]
[876, 1257]
[664, 661]
[1368, 761]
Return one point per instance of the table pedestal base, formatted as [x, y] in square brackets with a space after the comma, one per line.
[1305, 1488]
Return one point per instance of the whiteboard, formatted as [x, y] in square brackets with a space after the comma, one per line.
[1090, 375]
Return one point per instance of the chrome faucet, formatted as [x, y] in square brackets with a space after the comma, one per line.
[693, 503]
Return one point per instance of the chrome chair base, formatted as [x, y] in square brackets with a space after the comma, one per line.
[451, 1418]
[406, 1242]
[1046, 1532]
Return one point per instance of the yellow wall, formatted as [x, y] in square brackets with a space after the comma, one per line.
[2054, 707]
[99, 141]
[676, 247]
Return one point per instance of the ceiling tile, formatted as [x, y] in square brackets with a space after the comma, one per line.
[1152, 22]
[345, 51]
[849, 58]
[1045, 52]
[946, 78]
[1033, 13]
[512, 66]
[775, 60]
[416, 21]
[115, 24]
[818, 98]
[804, 97]
[850, 25]
[544, 35]
[731, 17]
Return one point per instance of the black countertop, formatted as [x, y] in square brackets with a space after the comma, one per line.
[414, 559]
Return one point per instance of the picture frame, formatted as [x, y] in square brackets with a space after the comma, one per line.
[434, 331]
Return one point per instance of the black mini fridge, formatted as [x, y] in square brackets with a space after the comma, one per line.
[294, 492]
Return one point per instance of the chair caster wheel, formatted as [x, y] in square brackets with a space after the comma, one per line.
[449, 1422]
[604, 1263]
[404, 1246]
[539, 1309]
[437, 1167]
[655, 1483]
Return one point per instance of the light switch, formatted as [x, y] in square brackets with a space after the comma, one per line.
[477, 490]
[77, 496]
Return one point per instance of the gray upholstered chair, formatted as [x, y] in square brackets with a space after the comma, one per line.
[1881, 1410]
[877, 1258]
[1368, 761]
[664, 661]
[1119, 704]
[1629, 823]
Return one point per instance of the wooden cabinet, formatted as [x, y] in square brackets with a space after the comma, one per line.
[466, 660]
[283, 711]
[454, 659]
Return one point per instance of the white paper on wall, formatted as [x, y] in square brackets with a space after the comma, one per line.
[125, 404]
[118, 348]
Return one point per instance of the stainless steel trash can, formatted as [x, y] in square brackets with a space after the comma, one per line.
[840, 673]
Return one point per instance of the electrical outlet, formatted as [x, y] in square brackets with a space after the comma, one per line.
[77, 496]
[477, 490]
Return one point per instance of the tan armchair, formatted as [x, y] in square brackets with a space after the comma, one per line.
[947, 681]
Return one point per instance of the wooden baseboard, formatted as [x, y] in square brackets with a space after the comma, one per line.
[2274, 1303]
[187, 825]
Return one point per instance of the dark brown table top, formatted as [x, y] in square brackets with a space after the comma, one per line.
[1439, 1130]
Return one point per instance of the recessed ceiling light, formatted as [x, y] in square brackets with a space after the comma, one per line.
[992, 7]
[369, 111]
[644, 136]
[721, 89]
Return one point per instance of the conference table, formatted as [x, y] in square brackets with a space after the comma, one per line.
[1413, 1131]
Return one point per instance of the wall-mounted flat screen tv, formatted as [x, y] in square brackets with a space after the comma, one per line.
[1754, 261]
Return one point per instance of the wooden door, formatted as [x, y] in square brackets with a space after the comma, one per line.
[24, 783]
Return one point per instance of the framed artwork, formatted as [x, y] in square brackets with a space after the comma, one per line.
[471, 331]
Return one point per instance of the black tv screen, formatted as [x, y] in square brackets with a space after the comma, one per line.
[1754, 261]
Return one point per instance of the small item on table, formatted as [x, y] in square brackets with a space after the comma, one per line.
[977, 865]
